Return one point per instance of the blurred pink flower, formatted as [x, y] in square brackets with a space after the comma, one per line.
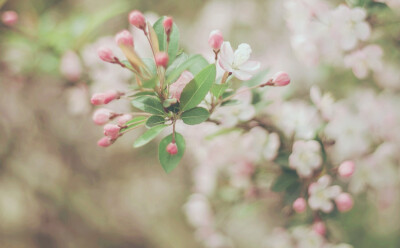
[321, 194]
[349, 26]
[305, 157]
[368, 58]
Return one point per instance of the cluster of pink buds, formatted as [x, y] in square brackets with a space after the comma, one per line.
[103, 116]
[165, 91]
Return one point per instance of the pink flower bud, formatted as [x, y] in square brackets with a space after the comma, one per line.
[112, 95]
[71, 66]
[104, 142]
[122, 120]
[346, 169]
[124, 38]
[215, 40]
[106, 54]
[111, 131]
[319, 227]
[102, 116]
[167, 23]
[299, 205]
[106, 97]
[137, 19]
[280, 79]
[344, 202]
[176, 88]
[98, 98]
[172, 148]
[162, 59]
[9, 18]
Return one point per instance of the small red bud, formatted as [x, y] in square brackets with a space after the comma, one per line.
[123, 119]
[106, 54]
[98, 98]
[102, 116]
[111, 131]
[344, 202]
[104, 142]
[124, 38]
[319, 227]
[112, 95]
[215, 40]
[9, 18]
[162, 59]
[172, 148]
[137, 19]
[346, 169]
[167, 23]
[299, 205]
[280, 79]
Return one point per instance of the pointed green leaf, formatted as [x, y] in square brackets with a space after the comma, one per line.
[284, 181]
[148, 104]
[194, 64]
[155, 120]
[148, 136]
[195, 116]
[218, 89]
[173, 45]
[197, 89]
[168, 161]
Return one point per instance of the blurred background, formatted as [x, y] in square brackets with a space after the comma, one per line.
[59, 189]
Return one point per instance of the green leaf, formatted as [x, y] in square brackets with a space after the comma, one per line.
[148, 104]
[148, 136]
[151, 65]
[284, 181]
[145, 93]
[195, 91]
[218, 89]
[127, 64]
[168, 161]
[177, 62]
[155, 120]
[195, 116]
[135, 122]
[173, 46]
[151, 83]
[194, 64]
[230, 102]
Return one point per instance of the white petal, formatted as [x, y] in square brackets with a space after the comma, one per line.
[348, 42]
[324, 181]
[358, 14]
[250, 66]
[333, 191]
[327, 207]
[314, 203]
[360, 70]
[242, 75]
[363, 31]
[227, 52]
[225, 65]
